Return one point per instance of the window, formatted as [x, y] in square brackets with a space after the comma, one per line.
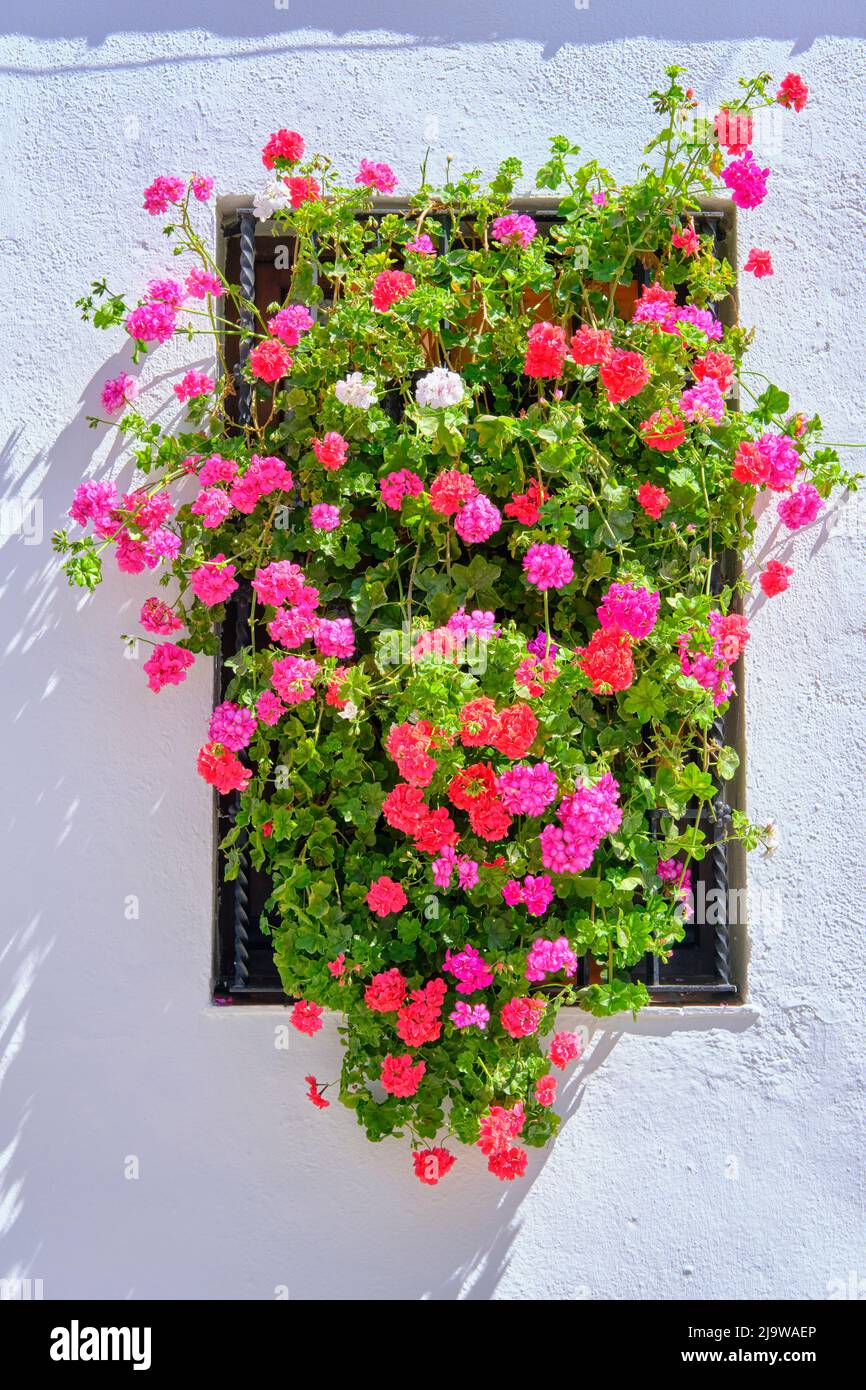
[700, 969]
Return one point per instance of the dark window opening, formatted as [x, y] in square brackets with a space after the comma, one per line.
[699, 969]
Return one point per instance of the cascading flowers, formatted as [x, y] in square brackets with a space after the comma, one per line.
[478, 508]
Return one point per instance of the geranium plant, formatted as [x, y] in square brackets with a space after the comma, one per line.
[480, 502]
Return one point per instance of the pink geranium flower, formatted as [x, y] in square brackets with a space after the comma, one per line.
[801, 507]
[163, 190]
[324, 517]
[157, 617]
[213, 582]
[746, 180]
[167, 665]
[378, 176]
[118, 392]
[232, 725]
[515, 229]
[192, 385]
[760, 263]
[200, 283]
[421, 246]
[151, 323]
[290, 324]
[384, 896]
[548, 566]
[202, 187]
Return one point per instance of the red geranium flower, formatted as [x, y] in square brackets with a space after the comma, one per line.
[590, 346]
[608, 660]
[385, 992]
[313, 1093]
[623, 375]
[419, 1021]
[436, 832]
[399, 1077]
[450, 490]
[479, 722]
[384, 896]
[270, 361]
[792, 91]
[716, 365]
[734, 130]
[431, 1165]
[306, 1017]
[517, 729]
[285, 145]
[545, 350]
[303, 190]
[390, 287]
[404, 808]
[508, 1164]
[751, 465]
[774, 579]
[472, 782]
[222, 769]
[489, 818]
[663, 431]
[524, 506]
[653, 499]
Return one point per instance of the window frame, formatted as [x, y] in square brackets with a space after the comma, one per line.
[243, 968]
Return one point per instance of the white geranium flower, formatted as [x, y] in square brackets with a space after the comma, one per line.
[349, 710]
[440, 388]
[275, 198]
[355, 390]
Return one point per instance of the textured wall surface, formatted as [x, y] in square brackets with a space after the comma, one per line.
[708, 1154]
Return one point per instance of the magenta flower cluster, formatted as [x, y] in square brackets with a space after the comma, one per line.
[585, 817]
[527, 789]
[633, 610]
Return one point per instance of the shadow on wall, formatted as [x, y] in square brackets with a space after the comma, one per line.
[477, 1278]
[55, 984]
[58, 982]
[553, 24]
[41, 814]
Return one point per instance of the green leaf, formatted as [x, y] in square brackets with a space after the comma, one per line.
[475, 579]
[684, 479]
[646, 700]
[772, 402]
[728, 762]
[602, 1000]
[695, 783]
[597, 566]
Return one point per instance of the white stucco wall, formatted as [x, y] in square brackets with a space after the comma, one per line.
[707, 1154]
